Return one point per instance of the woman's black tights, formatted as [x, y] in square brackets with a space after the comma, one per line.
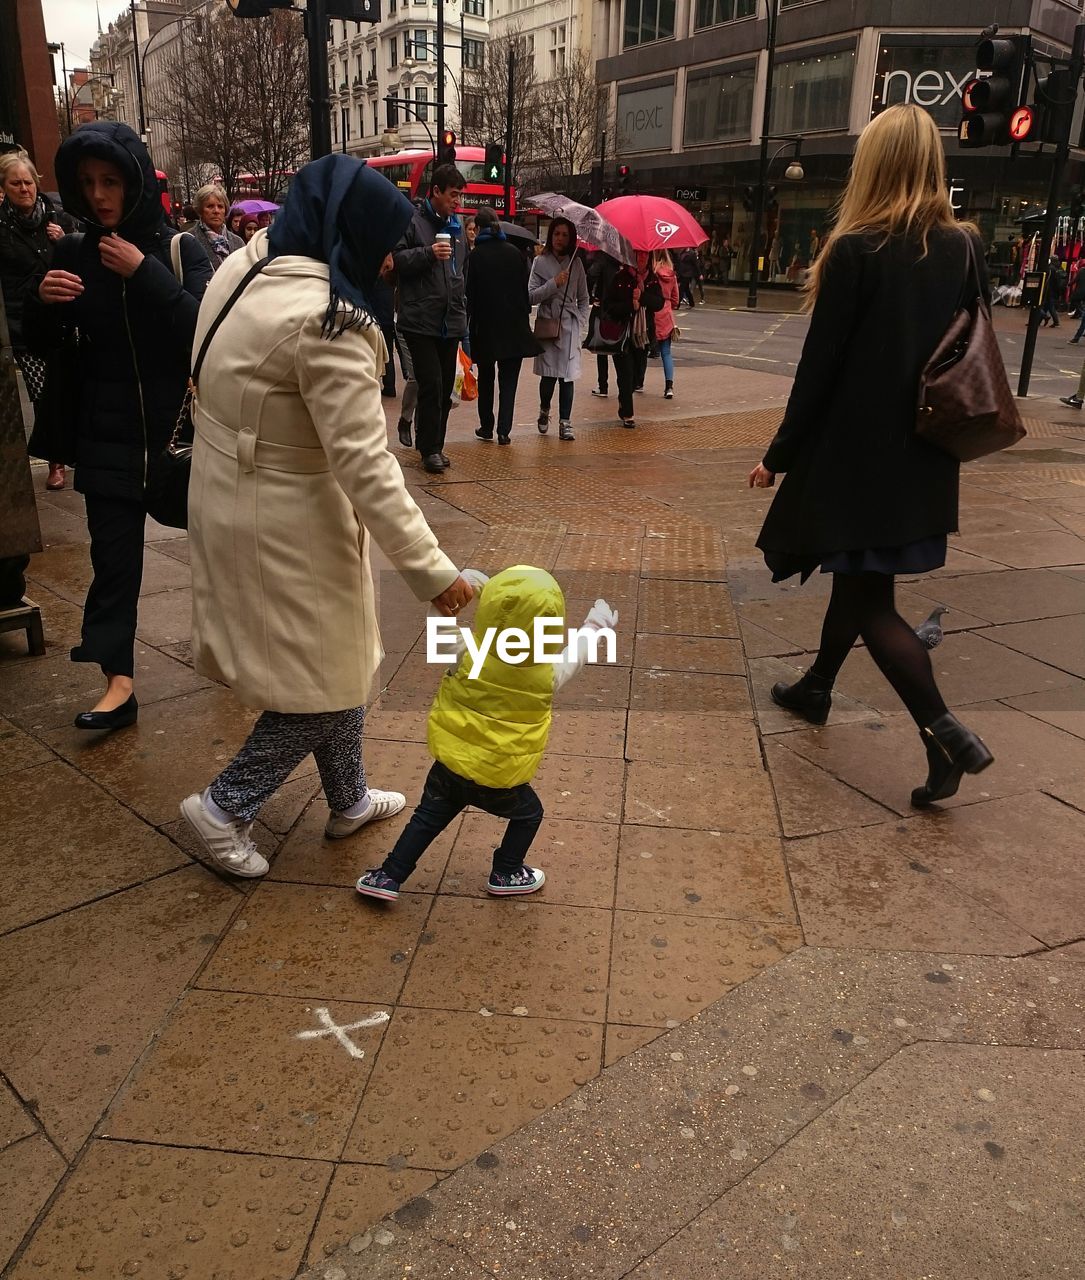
[862, 605]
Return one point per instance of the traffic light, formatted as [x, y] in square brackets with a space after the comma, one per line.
[749, 199]
[994, 113]
[494, 165]
[351, 10]
[446, 147]
[625, 179]
[1056, 97]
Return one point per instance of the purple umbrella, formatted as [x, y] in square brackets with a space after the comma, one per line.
[591, 227]
[255, 206]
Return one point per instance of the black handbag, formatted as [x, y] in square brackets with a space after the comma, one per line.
[165, 493]
[605, 336]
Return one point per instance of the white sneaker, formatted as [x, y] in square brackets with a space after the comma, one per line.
[382, 804]
[228, 844]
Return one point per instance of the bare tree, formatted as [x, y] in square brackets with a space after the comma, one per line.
[235, 101]
[566, 122]
[485, 100]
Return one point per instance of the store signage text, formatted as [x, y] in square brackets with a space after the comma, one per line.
[929, 76]
[691, 194]
[644, 119]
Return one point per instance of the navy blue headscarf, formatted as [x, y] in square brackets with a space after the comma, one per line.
[350, 217]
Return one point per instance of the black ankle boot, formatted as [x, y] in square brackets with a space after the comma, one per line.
[811, 696]
[952, 751]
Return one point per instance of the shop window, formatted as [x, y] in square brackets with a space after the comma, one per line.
[813, 93]
[719, 106]
[648, 20]
[711, 13]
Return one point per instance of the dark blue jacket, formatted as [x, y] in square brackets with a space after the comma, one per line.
[135, 335]
[431, 290]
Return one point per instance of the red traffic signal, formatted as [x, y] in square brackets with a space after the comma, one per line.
[1022, 123]
[992, 98]
[625, 178]
[446, 147]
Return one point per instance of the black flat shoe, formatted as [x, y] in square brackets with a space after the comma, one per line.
[104, 721]
[502, 439]
[405, 435]
[434, 464]
[482, 434]
[810, 697]
[952, 751]
[445, 459]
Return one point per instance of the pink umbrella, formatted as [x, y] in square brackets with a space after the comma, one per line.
[653, 222]
[254, 206]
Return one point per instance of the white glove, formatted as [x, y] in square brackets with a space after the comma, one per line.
[601, 615]
[475, 577]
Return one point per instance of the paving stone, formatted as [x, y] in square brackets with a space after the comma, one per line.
[360, 1196]
[288, 804]
[1071, 793]
[81, 994]
[588, 733]
[674, 795]
[176, 748]
[599, 687]
[884, 759]
[50, 691]
[579, 858]
[15, 1120]
[229, 1071]
[602, 552]
[392, 719]
[62, 624]
[580, 787]
[665, 968]
[621, 1041]
[166, 619]
[1059, 642]
[133, 1209]
[316, 942]
[1016, 596]
[488, 954]
[759, 643]
[765, 672]
[811, 800]
[684, 737]
[689, 691]
[1075, 951]
[881, 887]
[307, 857]
[66, 571]
[29, 1171]
[703, 873]
[983, 1205]
[448, 1085]
[55, 820]
[686, 609]
[696, 553]
[690, 653]
[1063, 708]
[18, 750]
[60, 527]
[175, 548]
[1027, 550]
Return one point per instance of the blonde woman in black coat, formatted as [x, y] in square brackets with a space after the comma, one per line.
[864, 498]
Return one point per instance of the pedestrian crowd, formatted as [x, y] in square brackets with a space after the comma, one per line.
[293, 327]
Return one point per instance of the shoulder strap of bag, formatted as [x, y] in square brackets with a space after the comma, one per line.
[971, 274]
[249, 275]
[175, 257]
[568, 282]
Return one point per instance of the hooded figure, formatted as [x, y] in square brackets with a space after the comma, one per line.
[124, 375]
[291, 475]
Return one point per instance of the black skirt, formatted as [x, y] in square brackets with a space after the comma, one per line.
[922, 556]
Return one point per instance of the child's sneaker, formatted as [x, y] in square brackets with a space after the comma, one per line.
[523, 880]
[375, 884]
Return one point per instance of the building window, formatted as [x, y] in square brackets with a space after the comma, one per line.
[392, 115]
[813, 93]
[648, 20]
[471, 110]
[393, 52]
[376, 120]
[475, 8]
[373, 64]
[719, 106]
[421, 101]
[711, 13]
[557, 49]
[473, 53]
[418, 47]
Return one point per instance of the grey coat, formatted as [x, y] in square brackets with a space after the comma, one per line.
[560, 357]
[200, 232]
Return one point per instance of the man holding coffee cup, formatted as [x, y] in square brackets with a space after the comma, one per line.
[432, 315]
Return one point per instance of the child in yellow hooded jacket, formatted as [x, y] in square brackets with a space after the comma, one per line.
[488, 733]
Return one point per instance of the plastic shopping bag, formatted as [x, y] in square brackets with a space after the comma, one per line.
[466, 382]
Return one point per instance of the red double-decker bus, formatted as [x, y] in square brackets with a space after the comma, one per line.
[412, 172]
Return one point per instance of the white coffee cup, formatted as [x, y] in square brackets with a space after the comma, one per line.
[443, 237]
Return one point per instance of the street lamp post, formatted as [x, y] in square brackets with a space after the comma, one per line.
[773, 11]
[408, 105]
[139, 73]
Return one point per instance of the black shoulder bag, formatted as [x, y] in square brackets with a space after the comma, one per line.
[165, 494]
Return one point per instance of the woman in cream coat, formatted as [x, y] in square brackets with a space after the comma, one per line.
[291, 475]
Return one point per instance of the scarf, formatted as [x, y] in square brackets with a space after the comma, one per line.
[217, 240]
[31, 221]
[349, 217]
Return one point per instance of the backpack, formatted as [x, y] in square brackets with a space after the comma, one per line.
[651, 296]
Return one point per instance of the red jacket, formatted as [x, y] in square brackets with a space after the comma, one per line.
[664, 317]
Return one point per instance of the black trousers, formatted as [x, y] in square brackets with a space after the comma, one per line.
[624, 371]
[602, 373]
[508, 375]
[444, 797]
[640, 364]
[388, 382]
[434, 361]
[116, 528]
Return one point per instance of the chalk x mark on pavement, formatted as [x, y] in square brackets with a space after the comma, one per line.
[330, 1028]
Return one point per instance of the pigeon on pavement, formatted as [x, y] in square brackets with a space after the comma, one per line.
[930, 630]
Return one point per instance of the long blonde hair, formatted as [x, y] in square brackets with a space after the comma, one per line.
[897, 185]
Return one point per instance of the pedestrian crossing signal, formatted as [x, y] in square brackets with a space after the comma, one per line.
[494, 165]
[625, 179]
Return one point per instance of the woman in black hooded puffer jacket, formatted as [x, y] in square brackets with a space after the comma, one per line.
[116, 286]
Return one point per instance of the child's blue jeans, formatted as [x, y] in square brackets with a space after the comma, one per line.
[444, 797]
[667, 358]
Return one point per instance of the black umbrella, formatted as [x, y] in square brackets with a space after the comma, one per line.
[515, 232]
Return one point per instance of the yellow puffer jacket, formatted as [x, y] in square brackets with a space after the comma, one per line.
[493, 729]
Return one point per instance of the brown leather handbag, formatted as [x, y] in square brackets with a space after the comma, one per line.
[966, 407]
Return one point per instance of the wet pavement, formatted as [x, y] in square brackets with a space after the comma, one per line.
[763, 1020]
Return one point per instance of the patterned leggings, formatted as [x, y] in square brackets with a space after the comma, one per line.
[276, 746]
